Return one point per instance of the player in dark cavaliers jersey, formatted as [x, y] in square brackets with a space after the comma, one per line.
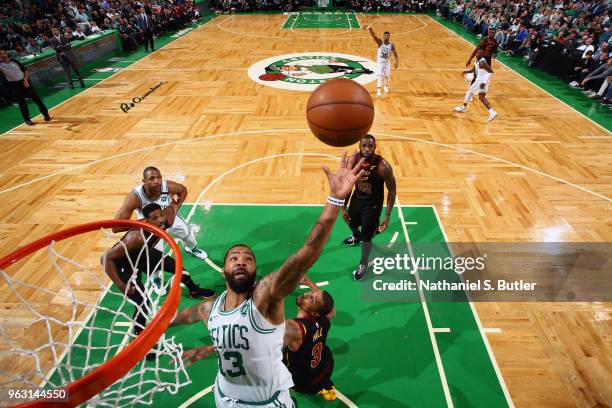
[306, 354]
[366, 202]
[117, 265]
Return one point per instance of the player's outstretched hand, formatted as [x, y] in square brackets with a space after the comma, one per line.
[196, 354]
[341, 182]
[383, 225]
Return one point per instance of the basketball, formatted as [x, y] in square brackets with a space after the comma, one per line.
[340, 112]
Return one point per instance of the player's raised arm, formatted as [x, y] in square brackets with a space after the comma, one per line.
[270, 292]
[378, 40]
[193, 314]
[130, 204]
[176, 189]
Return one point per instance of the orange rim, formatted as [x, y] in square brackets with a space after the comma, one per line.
[91, 384]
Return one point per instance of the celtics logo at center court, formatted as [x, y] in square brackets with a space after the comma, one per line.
[305, 71]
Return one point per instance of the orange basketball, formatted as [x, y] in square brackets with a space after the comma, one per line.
[340, 112]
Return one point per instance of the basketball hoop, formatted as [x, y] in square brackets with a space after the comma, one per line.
[96, 376]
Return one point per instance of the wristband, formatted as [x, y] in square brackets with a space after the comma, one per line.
[335, 201]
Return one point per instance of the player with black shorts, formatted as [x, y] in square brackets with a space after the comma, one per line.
[119, 268]
[306, 354]
[366, 202]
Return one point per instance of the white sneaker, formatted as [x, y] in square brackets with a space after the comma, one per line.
[461, 109]
[386, 90]
[197, 252]
[492, 115]
[378, 93]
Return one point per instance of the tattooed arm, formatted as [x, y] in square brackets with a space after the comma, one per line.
[270, 292]
[294, 335]
[195, 313]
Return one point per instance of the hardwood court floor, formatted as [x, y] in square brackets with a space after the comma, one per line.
[538, 172]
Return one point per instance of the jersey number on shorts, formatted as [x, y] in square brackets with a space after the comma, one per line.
[236, 369]
[316, 355]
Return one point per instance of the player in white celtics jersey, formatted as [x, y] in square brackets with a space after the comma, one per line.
[383, 59]
[247, 321]
[480, 86]
[155, 189]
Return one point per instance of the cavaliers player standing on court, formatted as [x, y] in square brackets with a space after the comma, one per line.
[307, 355]
[366, 202]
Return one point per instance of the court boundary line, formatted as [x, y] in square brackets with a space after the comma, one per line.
[430, 328]
[318, 35]
[219, 25]
[483, 335]
[294, 20]
[527, 79]
[357, 19]
[289, 15]
[253, 132]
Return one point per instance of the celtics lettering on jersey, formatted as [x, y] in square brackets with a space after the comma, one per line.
[229, 339]
[249, 350]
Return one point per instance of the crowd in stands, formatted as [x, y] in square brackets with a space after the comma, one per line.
[568, 38]
[364, 6]
[26, 29]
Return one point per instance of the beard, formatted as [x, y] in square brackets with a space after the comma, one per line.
[240, 287]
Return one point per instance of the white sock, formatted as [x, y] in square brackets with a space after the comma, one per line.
[379, 82]
[190, 241]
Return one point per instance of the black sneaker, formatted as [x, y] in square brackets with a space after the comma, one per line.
[351, 241]
[198, 292]
[360, 272]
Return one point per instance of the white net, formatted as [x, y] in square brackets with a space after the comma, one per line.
[61, 319]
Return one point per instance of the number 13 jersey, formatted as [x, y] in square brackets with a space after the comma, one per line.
[249, 349]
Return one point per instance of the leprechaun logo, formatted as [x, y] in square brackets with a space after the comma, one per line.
[305, 71]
